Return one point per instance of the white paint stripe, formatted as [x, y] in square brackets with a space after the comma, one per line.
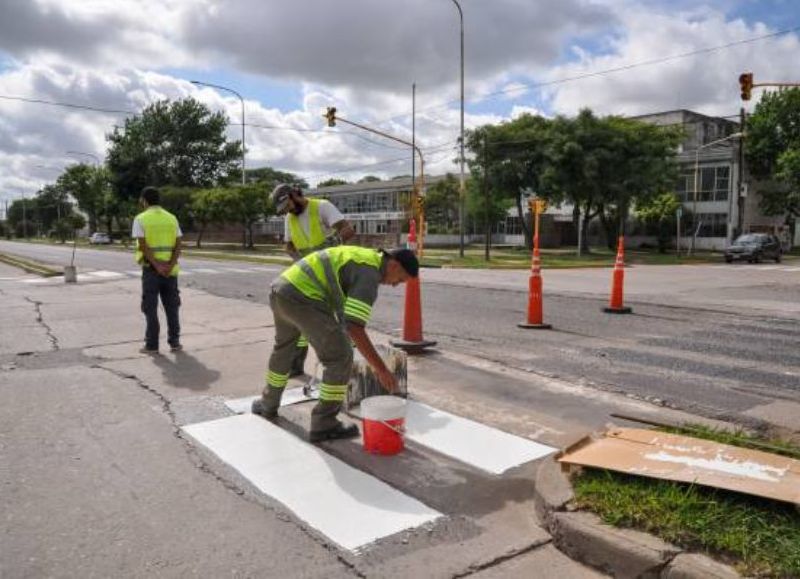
[205, 270]
[476, 444]
[238, 270]
[290, 396]
[103, 273]
[350, 507]
[38, 280]
[792, 269]
[267, 268]
[185, 272]
[769, 267]
[16, 278]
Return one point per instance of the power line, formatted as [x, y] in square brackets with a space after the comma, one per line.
[626, 67]
[67, 105]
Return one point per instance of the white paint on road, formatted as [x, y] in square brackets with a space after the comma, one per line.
[205, 270]
[290, 396]
[471, 442]
[350, 507]
[104, 274]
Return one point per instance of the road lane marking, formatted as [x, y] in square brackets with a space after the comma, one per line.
[243, 405]
[104, 274]
[478, 445]
[350, 507]
[205, 270]
[238, 270]
[38, 280]
[473, 443]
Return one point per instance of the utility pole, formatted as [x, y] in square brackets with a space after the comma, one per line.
[241, 100]
[413, 133]
[740, 199]
[487, 224]
[461, 191]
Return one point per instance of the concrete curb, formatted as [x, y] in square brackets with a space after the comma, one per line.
[29, 266]
[618, 552]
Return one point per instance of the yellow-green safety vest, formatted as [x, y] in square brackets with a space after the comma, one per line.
[160, 233]
[338, 257]
[315, 239]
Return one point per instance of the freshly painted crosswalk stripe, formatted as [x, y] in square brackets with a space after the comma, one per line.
[467, 441]
[104, 274]
[471, 442]
[290, 396]
[350, 507]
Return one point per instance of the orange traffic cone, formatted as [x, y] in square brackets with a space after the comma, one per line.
[535, 293]
[412, 341]
[617, 281]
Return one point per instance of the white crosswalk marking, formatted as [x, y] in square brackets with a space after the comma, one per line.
[38, 280]
[104, 274]
[134, 272]
[205, 270]
[792, 269]
[350, 507]
[468, 441]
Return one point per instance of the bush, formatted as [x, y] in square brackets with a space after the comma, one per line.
[25, 228]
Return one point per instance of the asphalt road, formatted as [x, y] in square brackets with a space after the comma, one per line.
[714, 340]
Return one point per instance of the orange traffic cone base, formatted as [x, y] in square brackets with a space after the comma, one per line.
[624, 310]
[413, 347]
[528, 326]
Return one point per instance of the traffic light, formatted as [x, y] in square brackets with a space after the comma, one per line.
[331, 116]
[746, 83]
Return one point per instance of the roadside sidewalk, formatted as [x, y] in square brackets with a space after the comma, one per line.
[105, 447]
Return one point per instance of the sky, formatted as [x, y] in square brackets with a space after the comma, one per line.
[290, 59]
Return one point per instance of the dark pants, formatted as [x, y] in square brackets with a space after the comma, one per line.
[153, 286]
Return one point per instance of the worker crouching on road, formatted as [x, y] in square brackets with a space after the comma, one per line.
[328, 296]
[310, 225]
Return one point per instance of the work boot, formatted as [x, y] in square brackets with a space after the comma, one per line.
[299, 363]
[267, 406]
[340, 431]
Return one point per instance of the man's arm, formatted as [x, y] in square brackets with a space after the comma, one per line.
[292, 251]
[176, 253]
[345, 230]
[364, 345]
[148, 254]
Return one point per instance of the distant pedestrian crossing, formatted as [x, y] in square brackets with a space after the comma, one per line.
[101, 275]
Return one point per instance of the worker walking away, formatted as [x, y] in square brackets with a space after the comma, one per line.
[328, 296]
[310, 225]
[158, 236]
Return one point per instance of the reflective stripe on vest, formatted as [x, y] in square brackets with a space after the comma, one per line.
[160, 234]
[316, 235]
[318, 289]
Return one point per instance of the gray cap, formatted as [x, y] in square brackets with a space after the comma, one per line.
[280, 197]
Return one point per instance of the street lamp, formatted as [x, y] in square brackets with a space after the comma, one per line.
[461, 192]
[197, 82]
[738, 135]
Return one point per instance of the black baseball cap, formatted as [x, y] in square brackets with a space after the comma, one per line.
[407, 259]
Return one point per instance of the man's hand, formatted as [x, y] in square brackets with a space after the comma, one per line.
[163, 268]
[387, 380]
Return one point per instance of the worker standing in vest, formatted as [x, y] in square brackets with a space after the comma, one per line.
[310, 225]
[158, 236]
[328, 296]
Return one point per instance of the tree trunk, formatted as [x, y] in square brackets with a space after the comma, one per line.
[587, 218]
[611, 229]
[200, 235]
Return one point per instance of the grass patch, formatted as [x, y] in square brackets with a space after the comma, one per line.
[760, 537]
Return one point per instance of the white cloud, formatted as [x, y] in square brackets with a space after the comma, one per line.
[707, 82]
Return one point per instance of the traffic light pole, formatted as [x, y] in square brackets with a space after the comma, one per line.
[418, 188]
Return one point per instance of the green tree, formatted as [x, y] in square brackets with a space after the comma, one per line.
[208, 208]
[180, 143]
[246, 205]
[331, 182]
[88, 185]
[272, 177]
[441, 204]
[178, 201]
[660, 213]
[772, 149]
[369, 179]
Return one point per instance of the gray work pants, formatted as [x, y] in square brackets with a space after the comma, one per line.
[153, 287]
[297, 315]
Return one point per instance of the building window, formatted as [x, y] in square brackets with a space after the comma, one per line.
[712, 224]
[713, 184]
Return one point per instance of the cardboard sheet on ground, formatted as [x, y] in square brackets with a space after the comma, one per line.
[686, 459]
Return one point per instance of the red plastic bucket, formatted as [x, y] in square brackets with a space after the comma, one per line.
[384, 421]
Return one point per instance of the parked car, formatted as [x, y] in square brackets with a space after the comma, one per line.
[99, 238]
[754, 247]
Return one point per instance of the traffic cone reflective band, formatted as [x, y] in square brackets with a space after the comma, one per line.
[535, 318]
[412, 341]
[617, 281]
